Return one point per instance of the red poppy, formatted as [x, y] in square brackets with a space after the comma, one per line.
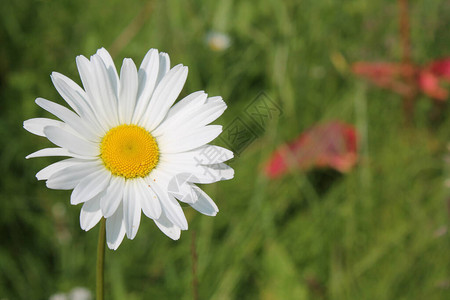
[397, 77]
[390, 76]
[432, 77]
[328, 145]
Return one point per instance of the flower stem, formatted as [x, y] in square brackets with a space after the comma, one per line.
[194, 267]
[101, 259]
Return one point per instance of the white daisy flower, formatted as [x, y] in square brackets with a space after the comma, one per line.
[129, 148]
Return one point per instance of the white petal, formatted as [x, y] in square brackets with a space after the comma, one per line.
[167, 227]
[169, 205]
[176, 142]
[131, 209]
[204, 155]
[209, 113]
[190, 119]
[69, 117]
[215, 99]
[110, 67]
[180, 188]
[89, 78]
[85, 69]
[36, 125]
[212, 173]
[148, 199]
[113, 197]
[115, 229]
[198, 173]
[53, 152]
[204, 203]
[164, 96]
[90, 186]
[147, 74]
[90, 213]
[128, 91]
[66, 88]
[170, 169]
[48, 171]
[223, 153]
[65, 139]
[191, 102]
[77, 98]
[186, 106]
[108, 95]
[69, 177]
[164, 66]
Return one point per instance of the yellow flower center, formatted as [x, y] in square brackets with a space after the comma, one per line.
[129, 151]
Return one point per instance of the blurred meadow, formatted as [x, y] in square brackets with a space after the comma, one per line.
[378, 231]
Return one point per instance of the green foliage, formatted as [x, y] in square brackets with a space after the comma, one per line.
[378, 232]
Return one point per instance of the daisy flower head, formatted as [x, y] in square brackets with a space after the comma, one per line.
[128, 144]
[217, 41]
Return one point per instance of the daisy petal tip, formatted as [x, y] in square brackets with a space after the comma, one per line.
[55, 75]
[27, 126]
[184, 70]
[107, 213]
[132, 235]
[152, 51]
[217, 98]
[49, 185]
[113, 246]
[42, 102]
[174, 235]
[176, 68]
[102, 49]
[72, 199]
[84, 226]
[81, 60]
[126, 61]
[131, 232]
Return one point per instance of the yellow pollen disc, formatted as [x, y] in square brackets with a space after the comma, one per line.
[129, 151]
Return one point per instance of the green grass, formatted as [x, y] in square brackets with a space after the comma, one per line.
[369, 234]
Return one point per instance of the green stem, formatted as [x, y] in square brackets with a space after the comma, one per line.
[101, 260]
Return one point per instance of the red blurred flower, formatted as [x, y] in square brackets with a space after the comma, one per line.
[396, 77]
[432, 76]
[390, 76]
[429, 84]
[332, 145]
[441, 68]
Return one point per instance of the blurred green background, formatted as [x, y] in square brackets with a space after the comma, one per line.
[378, 232]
